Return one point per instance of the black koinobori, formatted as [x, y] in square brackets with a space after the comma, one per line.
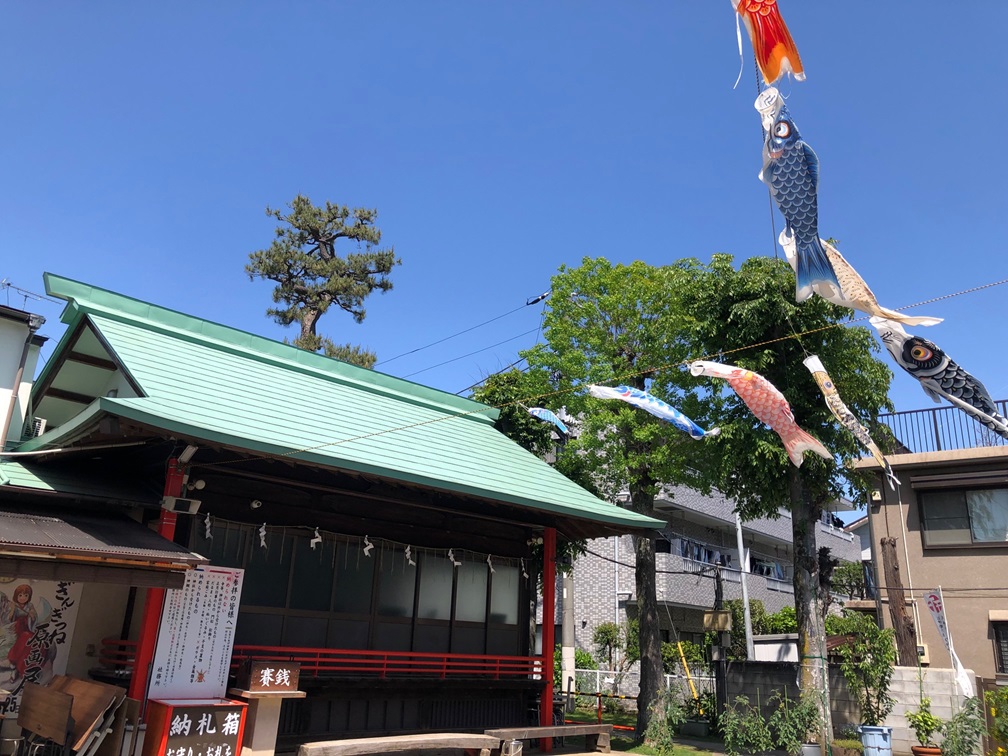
[939, 375]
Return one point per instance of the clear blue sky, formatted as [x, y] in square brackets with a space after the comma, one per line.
[498, 140]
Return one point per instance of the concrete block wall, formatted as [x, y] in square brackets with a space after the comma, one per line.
[758, 680]
[939, 685]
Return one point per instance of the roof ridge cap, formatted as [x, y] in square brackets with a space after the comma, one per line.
[85, 299]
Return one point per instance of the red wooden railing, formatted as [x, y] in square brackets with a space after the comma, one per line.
[319, 662]
[117, 655]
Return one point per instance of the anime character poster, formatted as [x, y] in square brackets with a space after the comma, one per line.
[37, 619]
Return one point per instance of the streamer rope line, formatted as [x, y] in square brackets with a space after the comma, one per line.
[620, 378]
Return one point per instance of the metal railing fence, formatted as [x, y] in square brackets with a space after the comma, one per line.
[939, 429]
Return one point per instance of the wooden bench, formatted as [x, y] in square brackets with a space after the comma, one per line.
[470, 743]
[597, 736]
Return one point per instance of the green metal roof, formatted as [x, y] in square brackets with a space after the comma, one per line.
[222, 385]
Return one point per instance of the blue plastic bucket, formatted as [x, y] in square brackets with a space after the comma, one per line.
[877, 741]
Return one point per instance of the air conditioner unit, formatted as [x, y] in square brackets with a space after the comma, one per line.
[38, 427]
[180, 505]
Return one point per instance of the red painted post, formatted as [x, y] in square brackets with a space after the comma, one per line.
[174, 478]
[548, 632]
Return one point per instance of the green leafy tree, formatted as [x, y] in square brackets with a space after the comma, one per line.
[748, 315]
[582, 660]
[512, 392]
[607, 638]
[631, 640]
[312, 276]
[866, 662]
[612, 324]
[697, 657]
[737, 651]
[848, 580]
[610, 639]
[780, 622]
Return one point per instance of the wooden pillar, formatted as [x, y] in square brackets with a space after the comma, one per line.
[151, 621]
[548, 631]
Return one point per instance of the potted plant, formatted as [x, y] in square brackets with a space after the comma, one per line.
[925, 726]
[796, 723]
[700, 711]
[866, 662]
[961, 734]
[846, 747]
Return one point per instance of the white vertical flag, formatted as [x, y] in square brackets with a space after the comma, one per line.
[936, 604]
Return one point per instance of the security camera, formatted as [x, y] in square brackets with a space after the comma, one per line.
[255, 504]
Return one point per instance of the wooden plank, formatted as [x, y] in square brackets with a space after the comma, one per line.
[548, 731]
[46, 713]
[92, 701]
[597, 736]
[393, 743]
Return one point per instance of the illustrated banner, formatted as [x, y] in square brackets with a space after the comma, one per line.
[37, 619]
[936, 605]
[193, 653]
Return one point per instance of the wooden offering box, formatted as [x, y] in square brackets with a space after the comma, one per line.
[200, 727]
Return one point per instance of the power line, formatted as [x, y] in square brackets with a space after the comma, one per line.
[542, 318]
[470, 354]
[646, 371]
[497, 372]
[528, 302]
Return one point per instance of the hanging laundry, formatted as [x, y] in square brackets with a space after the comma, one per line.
[939, 375]
[768, 404]
[655, 406]
[791, 170]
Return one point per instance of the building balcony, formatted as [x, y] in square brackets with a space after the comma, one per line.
[690, 583]
[939, 429]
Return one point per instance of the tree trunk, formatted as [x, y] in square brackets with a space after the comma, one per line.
[309, 320]
[903, 622]
[812, 672]
[650, 639]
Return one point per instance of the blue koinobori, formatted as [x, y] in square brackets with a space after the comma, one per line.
[655, 406]
[550, 417]
[791, 170]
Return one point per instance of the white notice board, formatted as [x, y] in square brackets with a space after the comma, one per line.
[193, 652]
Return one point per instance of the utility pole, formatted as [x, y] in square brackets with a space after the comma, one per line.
[744, 576]
[721, 669]
[567, 638]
